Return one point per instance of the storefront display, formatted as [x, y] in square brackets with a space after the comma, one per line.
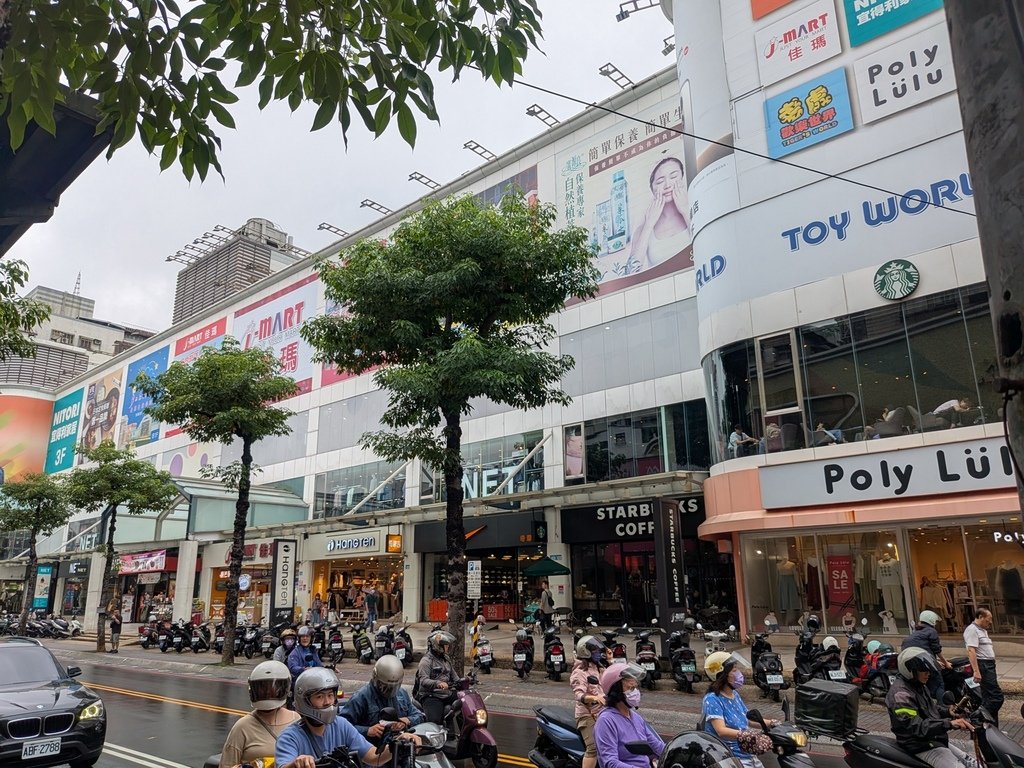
[347, 565]
[147, 579]
[73, 578]
[257, 560]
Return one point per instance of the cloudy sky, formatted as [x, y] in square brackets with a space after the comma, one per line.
[120, 220]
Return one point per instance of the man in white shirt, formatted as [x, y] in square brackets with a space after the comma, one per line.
[738, 442]
[983, 660]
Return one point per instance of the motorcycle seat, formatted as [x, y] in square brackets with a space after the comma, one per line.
[959, 661]
[561, 716]
[887, 748]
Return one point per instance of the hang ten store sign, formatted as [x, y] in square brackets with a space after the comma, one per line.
[975, 465]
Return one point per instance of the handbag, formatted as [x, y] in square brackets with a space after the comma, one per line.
[754, 742]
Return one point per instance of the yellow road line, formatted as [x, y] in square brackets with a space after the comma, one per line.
[514, 760]
[168, 700]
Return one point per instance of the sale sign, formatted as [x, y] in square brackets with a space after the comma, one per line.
[840, 584]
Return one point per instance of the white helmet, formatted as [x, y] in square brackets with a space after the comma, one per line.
[315, 680]
[269, 682]
[830, 644]
[721, 662]
[931, 618]
[387, 675]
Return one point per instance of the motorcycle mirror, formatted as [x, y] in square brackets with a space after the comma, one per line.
[639, 748]
[654, 622]
[864, 621]
[757, 717]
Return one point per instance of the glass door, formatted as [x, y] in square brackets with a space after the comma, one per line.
[781, 390]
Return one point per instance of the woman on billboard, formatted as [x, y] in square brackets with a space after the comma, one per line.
[664, 229]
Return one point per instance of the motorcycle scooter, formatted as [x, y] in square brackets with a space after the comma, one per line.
[767, 667]
[484, 658]
[683, 660]
[465, 719]
[403, 646]
[554, 655]
[522, 651]
[646, 655]
[200, 638]
[616, 649]
[787, 739]
[361, 644]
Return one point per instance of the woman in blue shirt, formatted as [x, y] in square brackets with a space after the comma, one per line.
[725, 714]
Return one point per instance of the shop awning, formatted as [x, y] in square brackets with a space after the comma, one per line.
[212, 505]
[546, 567]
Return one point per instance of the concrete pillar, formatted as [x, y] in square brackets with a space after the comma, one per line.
[185, 579]
[561, 586]
[412, 578]
[90, 621]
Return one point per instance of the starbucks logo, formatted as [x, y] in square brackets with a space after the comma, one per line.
[896, 279]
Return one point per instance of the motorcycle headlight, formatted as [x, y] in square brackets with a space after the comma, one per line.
[481, 717]
[92, 711]
[436, 739]
[798, 737]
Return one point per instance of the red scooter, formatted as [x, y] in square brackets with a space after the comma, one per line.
[465, 719]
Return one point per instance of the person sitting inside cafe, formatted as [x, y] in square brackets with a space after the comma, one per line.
[738, 442]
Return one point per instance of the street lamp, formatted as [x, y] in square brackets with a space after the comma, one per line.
[424, 180]
[614, 74]
[485, 153]
[372, 204]
[536, 110]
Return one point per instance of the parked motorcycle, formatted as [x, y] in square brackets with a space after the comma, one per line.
[807, 651]
[522, 651]
[403, 645]
[251, 639]
[200, 638]
[683, 660]
[554, 655]
[466, 723]
[959, 680]
[361, 645]
[484, 657]
[853, 660]
[181, 636]
[646, 655]
[767, 667]
[384, 641]
[334, 645]
[616, 649]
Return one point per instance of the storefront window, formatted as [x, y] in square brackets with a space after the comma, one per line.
[997, 572]
[941, 576]
[782, 578]
[487, 464]
[862, 576]
[686, 425]
[340, 490]
[615, 582]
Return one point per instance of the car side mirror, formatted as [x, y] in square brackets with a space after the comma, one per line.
[639, 748]
[74, 671]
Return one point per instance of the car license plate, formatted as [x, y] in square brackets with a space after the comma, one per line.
[400, 653]
[648, 665]
[836, 674]
[335, 646]
[41, 748]
[970, 682]
[557, 659]
[688, 667]
[774, 679]
[519, 657]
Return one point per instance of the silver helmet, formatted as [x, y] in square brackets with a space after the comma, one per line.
[315, 680]
[269, 683]
[387, 676]
[440, 642]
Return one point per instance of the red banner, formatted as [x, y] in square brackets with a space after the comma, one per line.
[840, 585]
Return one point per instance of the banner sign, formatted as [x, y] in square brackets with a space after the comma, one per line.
[808, 114]
[188, 348]
[668, 553]
[840, 585]
[102, 405]
[905, 74]
[143, 562]
[273, 323]
[868, 19]
[67, 414]
[801, 40]
[44, 578]
[282, 585]
[137, 428]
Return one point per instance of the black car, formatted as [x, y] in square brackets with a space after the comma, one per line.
[46, 717]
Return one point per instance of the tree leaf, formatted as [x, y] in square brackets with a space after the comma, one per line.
[221, 113]
[407, 124]
[324, 114]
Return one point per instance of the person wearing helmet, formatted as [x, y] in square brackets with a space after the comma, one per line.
[384, 690]
[620, 721]
[590, 661]
[254, 736]
[925, 636]
[320, 729]
[289, 639]
[920, 724]
[303, 656]
[724, 712]
[435, 676]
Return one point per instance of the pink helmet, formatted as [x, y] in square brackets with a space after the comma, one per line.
[617, 672]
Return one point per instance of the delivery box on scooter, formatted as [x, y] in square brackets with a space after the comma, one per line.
[828, 707]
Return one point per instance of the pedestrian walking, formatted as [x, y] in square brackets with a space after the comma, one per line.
[547, 606]
[983, 660]
[114, 612]
[370, 599]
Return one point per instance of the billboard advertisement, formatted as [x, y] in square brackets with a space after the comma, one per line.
[905, 74]
[137, 428]
[525, 180]
[44, 580]
[627, 185]
[273, 323]
[188, 461]
[868, 19]
[24, 428]
[808, 114]
[189, 347]
[102, 404]
[67, 416]
[800, 40]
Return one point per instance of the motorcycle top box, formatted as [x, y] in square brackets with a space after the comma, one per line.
[831, 708]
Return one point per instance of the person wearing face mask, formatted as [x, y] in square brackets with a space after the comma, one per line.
[724, 712]
[590, 662]
[288, 640]
[620, 722]
[303, 656]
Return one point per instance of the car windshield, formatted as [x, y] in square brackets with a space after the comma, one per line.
[30, 664]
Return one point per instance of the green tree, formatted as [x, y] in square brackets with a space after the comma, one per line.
[454, 307]
[226, 393]
[156, 70]
[117, 481]
[39, 504]
[18, 315]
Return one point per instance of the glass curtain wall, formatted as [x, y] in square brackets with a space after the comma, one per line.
[340, 490]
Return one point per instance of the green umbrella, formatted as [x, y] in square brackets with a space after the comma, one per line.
[546, 567]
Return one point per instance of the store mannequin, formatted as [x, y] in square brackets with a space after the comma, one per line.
[888, 574]
[789, 595]
[889, 623]
[849, 621]
[812, 585]
[1009, 586]
[936, 598]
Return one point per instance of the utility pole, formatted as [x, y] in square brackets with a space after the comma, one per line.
[987, 38]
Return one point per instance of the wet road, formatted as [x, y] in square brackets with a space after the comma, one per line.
[169, 720]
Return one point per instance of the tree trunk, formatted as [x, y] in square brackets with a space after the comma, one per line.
[986, 38]
[5, 24]
[30, 579]
[237, 552]
[455, 532]
[107, 587]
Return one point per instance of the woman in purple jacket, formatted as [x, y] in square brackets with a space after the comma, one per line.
[620, 722]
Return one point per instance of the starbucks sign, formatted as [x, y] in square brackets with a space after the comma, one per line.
[896, 279]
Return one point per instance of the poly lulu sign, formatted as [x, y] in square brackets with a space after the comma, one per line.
[282, 585]
[971, 466]
[905, 74]
[801, 40]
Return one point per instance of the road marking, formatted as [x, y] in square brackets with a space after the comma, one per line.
[168, 700]
[522, 762]
[140, 758]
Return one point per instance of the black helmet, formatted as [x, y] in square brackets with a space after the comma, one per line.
[695, 749]
[813, 623]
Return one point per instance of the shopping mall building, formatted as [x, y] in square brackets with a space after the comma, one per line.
[784, 227]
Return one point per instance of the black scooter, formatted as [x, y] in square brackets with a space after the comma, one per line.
[683, 660]
[522, 651]
[787, 739]
[616, 649]
[554, 655]
[767, 667]
[646, 655]
[853, 661]
[807, 651]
